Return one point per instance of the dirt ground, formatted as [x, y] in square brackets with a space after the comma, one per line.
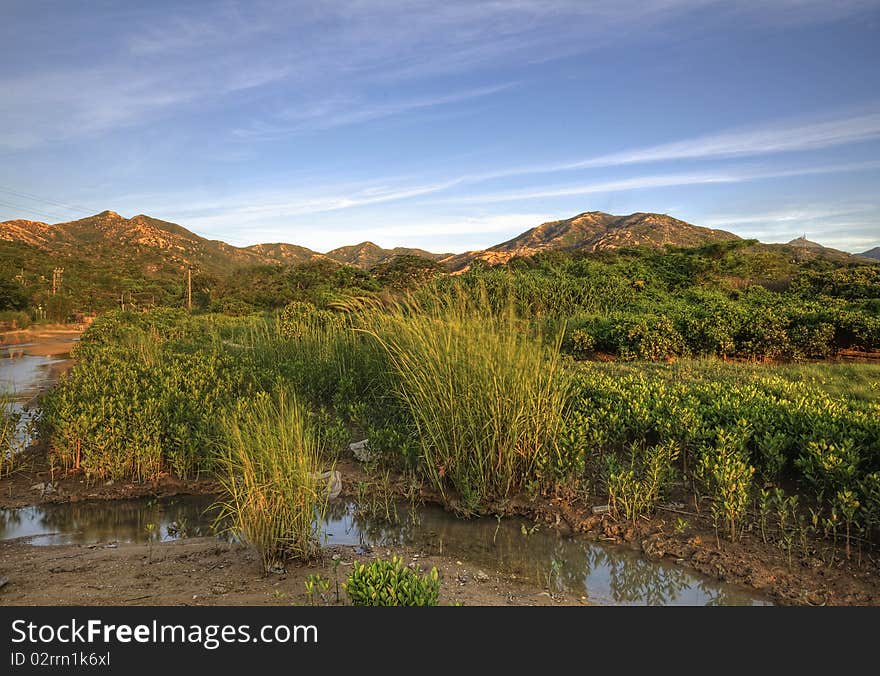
[207, 571]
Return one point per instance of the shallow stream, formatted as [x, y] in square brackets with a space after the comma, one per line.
[605, 574]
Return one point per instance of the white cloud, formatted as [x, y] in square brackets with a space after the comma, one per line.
[318, 53]
[735, 175]
[342, 111]
[776, 138]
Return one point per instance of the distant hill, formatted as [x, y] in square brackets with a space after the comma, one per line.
[595, 231]
[366, 254]
[872, 253]
[279, 252]
[107, 258]
[805, 249]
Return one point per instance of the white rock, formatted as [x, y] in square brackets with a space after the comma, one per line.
[361, 450]
[333, 482]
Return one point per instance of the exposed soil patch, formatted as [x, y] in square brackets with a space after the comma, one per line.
[206, 571]
[42, 341]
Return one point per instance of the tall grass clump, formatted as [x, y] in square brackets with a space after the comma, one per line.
[486, 397]
[270, 473]
[9, 444]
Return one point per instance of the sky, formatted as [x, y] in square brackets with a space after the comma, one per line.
[448, 125]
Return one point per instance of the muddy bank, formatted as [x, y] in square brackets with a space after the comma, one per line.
[32, 482]
[205, 571]
[748, 563]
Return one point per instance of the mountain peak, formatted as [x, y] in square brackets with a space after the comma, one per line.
[802, 241]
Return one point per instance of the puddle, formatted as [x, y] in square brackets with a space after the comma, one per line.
[23, 377]
[604, 574]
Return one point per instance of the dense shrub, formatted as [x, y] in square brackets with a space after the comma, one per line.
[391, 583]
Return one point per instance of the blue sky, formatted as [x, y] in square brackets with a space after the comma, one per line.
[448, 126]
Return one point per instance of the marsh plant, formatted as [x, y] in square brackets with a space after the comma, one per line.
[487, 399]
[271, 461]
[391, 583]
[316, 585]
[9, 444]
[727, 476]
[635, 487]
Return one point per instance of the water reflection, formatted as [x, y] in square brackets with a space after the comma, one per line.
[23, 378]
[601, 573]
[116, 521]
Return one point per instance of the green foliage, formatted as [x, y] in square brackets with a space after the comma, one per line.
[487, 400]
[391, 583]
[406, 272]
[648, 337]
[792, 424]
[142, 399]
[12, 295]
[724, 471]
[828, 466]
[634, 488]
[270, 466]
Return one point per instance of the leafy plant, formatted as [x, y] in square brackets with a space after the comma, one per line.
[391, 583]
[727, 476]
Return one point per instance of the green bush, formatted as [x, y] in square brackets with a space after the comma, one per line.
[648, 337]
[391, 583]
[583, 344]
[14, 319]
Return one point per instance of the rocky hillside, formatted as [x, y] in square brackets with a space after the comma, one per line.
[366, 254]
[595, 231]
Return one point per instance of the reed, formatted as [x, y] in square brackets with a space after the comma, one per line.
[270, 467]
[487, 397]
[9, 444]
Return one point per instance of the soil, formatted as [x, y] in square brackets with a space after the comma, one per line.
[219, 573]
[32, 469]
[206, 571]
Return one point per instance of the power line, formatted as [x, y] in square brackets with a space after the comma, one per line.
[46, 200]
[37, 212]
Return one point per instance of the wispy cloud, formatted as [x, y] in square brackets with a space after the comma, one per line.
[317, 53]
[777, 138]
[736, 175]
[853, 227]
[343, 111]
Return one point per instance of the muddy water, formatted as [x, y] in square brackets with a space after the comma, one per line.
[23, 378]
[602, 573]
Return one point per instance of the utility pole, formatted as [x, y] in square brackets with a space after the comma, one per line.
[189, 289]
[56, 279]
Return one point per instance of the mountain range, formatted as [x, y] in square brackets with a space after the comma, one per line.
[153, 244]
[106, 260]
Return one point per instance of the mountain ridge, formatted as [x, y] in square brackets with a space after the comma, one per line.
[166, 244]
